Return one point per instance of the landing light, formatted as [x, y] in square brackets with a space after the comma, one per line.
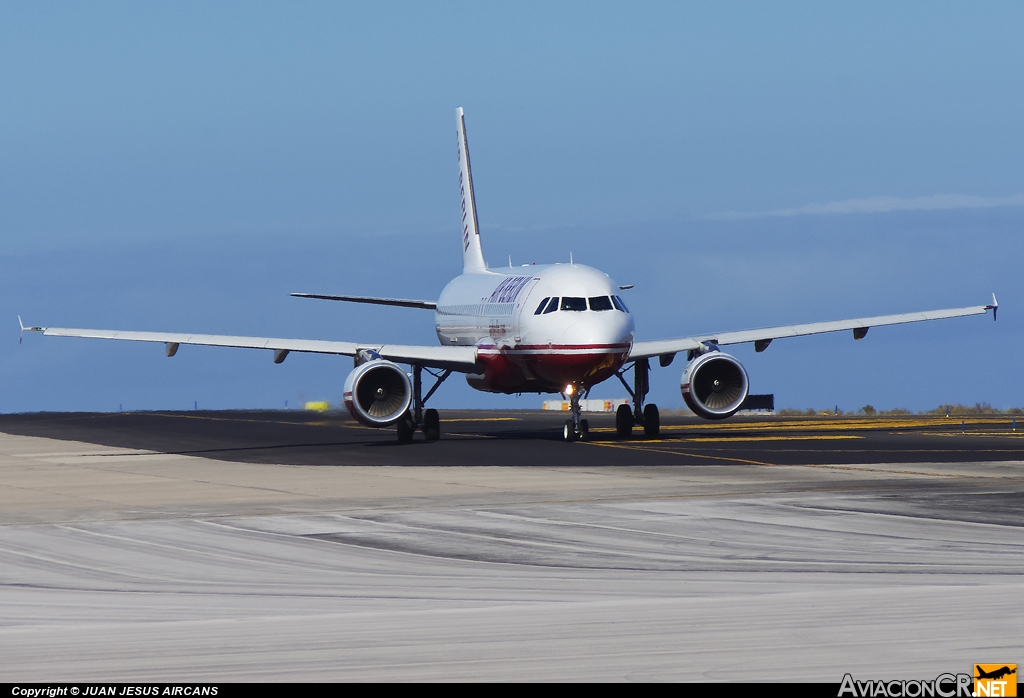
[568, 389]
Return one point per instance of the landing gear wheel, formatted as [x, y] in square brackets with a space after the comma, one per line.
[405, 429]
[652, 421]
[431, 425]
[569, 431]
[624, 422]
[584, 430]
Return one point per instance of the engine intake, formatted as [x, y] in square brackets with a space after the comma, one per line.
[377, 393]
[714, 385]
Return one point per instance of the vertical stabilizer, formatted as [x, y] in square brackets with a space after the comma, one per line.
[472, 253]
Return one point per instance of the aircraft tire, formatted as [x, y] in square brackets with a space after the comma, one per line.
[569, 431]
[584, 430]
[405, 429]
[431, 425]
[652, 421]
[624, 421]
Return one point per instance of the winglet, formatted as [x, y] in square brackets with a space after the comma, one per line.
[30, 329]
[27, 329]
[994, 307]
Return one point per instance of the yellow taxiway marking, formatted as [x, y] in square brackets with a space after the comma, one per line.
[838, 424]
[229, 419]
[737, 438]
[321, 423]
[740, 437]
[483, 419]
[675, 453]
[867, 450]
[1000, 434]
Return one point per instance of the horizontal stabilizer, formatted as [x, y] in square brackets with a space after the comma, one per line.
[400, 302]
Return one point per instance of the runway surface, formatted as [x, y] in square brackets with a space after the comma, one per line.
[521, 438]
[291, 546]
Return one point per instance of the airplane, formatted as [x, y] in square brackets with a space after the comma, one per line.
[997, 674]
[556, 328]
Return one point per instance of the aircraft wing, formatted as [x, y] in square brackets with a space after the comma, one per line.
[460, 359]
[763, 337]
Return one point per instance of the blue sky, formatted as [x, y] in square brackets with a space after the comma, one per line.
[185, 166]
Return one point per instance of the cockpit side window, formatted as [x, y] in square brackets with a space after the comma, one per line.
[600, 303]
[552, 306]
[540, 308]
[576, 304]
[619, 304]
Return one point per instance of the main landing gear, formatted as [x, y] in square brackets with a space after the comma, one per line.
[428, 421]
[646, 416]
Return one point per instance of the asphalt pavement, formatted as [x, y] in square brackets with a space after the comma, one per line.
[204, 547]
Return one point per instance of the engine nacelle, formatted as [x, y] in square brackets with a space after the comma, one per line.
[714, 385]
[377, 393]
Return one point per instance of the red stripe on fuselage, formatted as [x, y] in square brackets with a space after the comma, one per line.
[540, 368]
[555, 348]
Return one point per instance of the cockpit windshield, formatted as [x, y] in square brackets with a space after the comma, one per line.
[570, 303]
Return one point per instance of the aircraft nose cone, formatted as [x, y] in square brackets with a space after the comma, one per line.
[607, 327]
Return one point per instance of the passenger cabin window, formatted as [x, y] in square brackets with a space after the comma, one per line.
[540, 308]
[552, 306]
[600, 303]
[577, 304]
[619, 304]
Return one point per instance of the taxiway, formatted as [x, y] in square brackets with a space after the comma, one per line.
[198, 546]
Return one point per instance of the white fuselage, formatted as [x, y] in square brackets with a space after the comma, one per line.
[582, 339]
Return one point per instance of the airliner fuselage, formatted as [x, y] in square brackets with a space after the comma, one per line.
[537, 328]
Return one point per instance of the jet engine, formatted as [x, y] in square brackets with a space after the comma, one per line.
[714, 385]
[377, 393]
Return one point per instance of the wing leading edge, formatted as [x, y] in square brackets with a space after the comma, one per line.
[460, 359]
[763, 337]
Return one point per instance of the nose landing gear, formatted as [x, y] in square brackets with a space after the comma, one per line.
[575, 429]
